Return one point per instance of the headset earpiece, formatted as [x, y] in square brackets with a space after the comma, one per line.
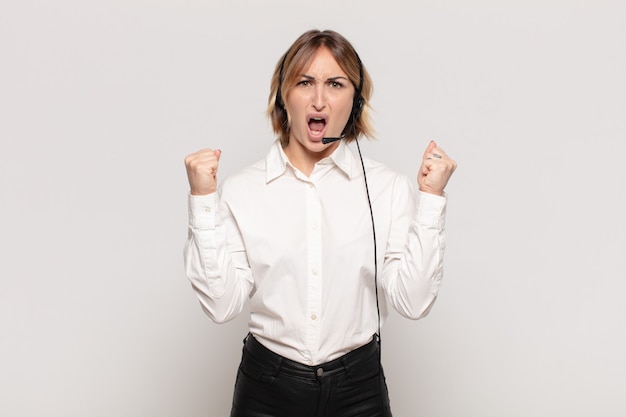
[357, 107]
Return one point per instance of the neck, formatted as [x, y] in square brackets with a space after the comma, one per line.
[304, 159]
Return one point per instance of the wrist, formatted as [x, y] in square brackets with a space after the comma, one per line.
[431, 191]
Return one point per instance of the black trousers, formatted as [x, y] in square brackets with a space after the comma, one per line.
[269, 385]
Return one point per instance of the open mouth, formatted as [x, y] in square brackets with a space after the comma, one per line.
[317, 125]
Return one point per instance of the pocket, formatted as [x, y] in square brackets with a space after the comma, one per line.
[262, 373]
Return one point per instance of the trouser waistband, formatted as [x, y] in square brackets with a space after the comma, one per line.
[365, 354]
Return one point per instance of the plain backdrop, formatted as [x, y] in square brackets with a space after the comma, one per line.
[100, 101]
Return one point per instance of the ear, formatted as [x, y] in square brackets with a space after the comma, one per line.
[357, 107]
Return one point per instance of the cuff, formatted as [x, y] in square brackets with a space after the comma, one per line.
[202, 210]
[431, 209]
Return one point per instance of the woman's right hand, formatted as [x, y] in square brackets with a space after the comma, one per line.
[202, 171]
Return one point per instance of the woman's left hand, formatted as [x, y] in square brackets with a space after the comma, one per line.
[437, 168]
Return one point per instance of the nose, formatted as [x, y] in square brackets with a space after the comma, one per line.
[319, 97]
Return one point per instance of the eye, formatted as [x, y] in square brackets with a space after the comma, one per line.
[335, 84]
[304, 83]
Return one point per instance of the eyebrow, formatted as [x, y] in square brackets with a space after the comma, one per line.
[339, 77]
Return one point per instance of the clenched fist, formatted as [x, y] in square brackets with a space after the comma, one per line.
[202, 171]
[435, 171]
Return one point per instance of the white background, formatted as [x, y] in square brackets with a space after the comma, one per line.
[101, 100]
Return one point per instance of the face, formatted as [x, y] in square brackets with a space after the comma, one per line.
[319, 106]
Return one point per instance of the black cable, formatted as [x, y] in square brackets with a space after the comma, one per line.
[369, 201]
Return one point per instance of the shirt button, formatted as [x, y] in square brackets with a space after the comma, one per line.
[314, 271]
[313, 317]
[207, 209]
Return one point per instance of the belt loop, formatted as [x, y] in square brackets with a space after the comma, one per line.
[346, 367]
[280, 365]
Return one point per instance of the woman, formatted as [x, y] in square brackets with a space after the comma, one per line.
[315, 247]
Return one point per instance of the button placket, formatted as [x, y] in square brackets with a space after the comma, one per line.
[314, 259]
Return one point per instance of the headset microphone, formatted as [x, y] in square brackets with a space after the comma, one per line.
[357, 107]
[331, 140]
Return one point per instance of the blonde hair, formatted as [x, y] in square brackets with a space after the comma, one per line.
[297, 57]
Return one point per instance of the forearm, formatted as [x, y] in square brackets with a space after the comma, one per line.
[413, 272]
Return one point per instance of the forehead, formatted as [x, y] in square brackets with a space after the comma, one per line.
[323, 63]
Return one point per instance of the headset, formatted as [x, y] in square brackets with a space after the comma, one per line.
[357, 102]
